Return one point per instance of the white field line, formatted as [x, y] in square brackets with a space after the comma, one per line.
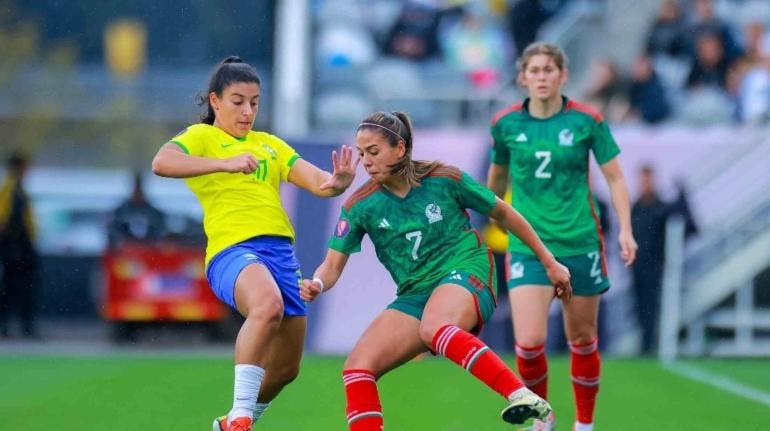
[718, 381]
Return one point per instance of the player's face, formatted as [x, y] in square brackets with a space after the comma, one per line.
[236, 110]
[543, 78]
[377, 155]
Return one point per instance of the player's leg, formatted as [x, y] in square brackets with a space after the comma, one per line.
[258, 299]
[460, 306]
[581, 327]
[529, 314]
[390, 340]
[530, 294]
[285, 351]
[282, 365]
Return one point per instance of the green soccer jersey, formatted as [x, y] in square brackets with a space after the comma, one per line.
[548, 164]
[423, 236]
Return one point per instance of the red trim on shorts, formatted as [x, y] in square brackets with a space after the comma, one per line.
[507, 266]
[597, 222]
[491, 275]
[479, 318]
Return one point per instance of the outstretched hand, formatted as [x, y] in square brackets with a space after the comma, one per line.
[309, 290]
[344, 170]
[560, 276]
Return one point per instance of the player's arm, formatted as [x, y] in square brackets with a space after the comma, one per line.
[497, 179]
[325, 276]
[172, 162]
[508, 218]
[321, 183]
[620, 201]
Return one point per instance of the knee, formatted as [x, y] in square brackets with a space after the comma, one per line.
[428, 330]
[582, 338]
[267, 310]
[530, 341]
[361, 362]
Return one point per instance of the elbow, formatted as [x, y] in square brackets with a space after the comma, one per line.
[158, 167]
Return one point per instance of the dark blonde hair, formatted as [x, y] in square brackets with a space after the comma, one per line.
[395, 127]
[536, 48]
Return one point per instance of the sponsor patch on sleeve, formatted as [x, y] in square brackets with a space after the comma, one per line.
[342, 229]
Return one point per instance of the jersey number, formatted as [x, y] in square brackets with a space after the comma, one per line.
[596, 271]
[261, 172]
[545, 157]
[417, 235]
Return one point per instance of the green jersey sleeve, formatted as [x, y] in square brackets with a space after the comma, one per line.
[347, 234]
[604, 146]
[474, 195]
[500, 154]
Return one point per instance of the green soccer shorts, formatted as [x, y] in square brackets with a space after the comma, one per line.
[483, 298]
[587, 271]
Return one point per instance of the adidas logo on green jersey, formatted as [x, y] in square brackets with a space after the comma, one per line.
[384, 224]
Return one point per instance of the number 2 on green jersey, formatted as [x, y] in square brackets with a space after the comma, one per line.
[417, 235]
[545, 157]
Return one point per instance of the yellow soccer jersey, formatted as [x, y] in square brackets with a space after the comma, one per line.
[236, 206]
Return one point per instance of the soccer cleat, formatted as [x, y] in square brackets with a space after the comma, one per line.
[237, 424]
[525, 405]
[547, 424]
[220, 423]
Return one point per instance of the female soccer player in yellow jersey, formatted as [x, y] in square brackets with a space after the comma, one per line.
[541, 148]
[415, 214]
[235, 173]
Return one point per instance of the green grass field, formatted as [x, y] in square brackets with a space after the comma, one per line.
[136, 393]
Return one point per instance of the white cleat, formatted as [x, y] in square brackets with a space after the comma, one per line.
[524, 405]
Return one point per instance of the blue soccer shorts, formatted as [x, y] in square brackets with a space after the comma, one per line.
[275, 253]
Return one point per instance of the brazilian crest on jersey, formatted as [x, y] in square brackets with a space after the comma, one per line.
[548, 164]
[423, 236]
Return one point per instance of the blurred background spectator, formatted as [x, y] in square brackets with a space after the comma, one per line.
[648, 98]
[667, 35]
[136, 220]
[19, 260]
[607, 90]
[526, 17]
[476, 45]
[414, 36]
[649, 215]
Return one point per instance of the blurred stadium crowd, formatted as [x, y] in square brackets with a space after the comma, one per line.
[694, 61]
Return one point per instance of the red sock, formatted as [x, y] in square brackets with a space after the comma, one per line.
[363, 402]
[533, 368]
[585, 367]
[472, 354]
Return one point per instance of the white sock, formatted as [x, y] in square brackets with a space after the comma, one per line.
[248, 379]
[259, 410]
[579, 426]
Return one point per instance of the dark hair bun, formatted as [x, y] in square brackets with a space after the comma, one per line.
[232, 59]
